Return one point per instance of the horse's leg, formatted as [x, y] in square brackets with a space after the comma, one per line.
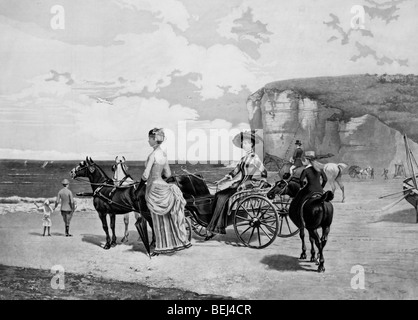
[112, 226]
[302, 237]
[126, 221]
[324, 238]
[312, 249]
[314, 234]
[106, 229]
[340, 184]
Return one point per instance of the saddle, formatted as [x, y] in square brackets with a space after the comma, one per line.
[311, 196]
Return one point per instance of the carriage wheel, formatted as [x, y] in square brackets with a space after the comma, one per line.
[197, 228]
[286, 227]
[256, 221]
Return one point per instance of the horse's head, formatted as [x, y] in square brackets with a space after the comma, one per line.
[84, 169]
[279, 188]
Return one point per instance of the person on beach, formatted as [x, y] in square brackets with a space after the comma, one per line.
[248, 166]
[46, 219]
[297, 158]
[165, 201]
[65, 197]
[313, 174]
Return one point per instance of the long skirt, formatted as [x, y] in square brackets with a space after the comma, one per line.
[219, 220]
[166, 204]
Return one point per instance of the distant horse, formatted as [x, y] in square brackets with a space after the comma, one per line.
[108, 200]
[366, 172]
[316, 212]
[122, 178]
[334, 172]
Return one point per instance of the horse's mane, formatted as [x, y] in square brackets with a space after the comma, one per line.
[103, 173]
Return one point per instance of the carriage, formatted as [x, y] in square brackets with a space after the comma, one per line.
[256, 220]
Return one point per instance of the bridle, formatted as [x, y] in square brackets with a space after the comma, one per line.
[83, 166]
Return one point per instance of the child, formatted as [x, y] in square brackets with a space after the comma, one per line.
[46, 209]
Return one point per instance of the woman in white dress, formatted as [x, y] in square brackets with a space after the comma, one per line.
[165, 201]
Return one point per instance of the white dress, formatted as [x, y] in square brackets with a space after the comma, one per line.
[166, 204]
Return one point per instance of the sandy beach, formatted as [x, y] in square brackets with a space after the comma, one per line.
[383, 243]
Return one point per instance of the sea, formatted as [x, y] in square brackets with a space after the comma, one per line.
[24, 181]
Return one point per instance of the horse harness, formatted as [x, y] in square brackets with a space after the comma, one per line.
[98, 193]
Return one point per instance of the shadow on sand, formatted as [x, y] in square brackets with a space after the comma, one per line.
[100, 240]
[402, 216]
[281, 262]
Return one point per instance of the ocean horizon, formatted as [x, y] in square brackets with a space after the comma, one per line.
[42, 178]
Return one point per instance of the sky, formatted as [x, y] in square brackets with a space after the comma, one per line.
[91, 77]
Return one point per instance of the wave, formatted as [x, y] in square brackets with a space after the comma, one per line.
[26, 204]
[24, 174]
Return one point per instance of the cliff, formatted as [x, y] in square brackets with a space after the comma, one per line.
[360, 119]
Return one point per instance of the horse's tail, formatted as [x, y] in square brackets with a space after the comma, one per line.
[341, 166]
[327, 197]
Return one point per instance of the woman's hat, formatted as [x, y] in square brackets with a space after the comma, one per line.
[65, 182]
[298, 142]
[237, 141]
[310, 155]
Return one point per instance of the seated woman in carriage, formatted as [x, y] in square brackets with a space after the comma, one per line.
[249, 165]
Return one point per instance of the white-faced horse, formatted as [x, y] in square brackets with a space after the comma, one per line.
[122, 178]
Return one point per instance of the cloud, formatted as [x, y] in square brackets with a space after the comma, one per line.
[170, 11]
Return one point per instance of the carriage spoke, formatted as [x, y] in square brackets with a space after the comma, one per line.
[243, 218]
[288, 226]
[265, 233]
[241, 224]
[251, 208]
[251, 236]
[259, 238]
[245, 231]
[270, 228]
[281, 224]
[247, 212]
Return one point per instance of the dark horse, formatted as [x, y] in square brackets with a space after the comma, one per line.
[316, 212]
[113, 200]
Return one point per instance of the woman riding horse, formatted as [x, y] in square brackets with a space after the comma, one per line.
[249, 165]
[312, 172]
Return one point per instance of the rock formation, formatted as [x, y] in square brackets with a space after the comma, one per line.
[356, 118]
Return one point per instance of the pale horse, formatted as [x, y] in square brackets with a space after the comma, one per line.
[122, 178]
[334, 172]
[366, 172]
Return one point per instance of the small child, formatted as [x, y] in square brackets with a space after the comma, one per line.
[46, 209]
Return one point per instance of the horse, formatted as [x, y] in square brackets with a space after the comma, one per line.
[317, 211]
[111, 199]
[366, 172]
[334, 172]
[122, 178]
